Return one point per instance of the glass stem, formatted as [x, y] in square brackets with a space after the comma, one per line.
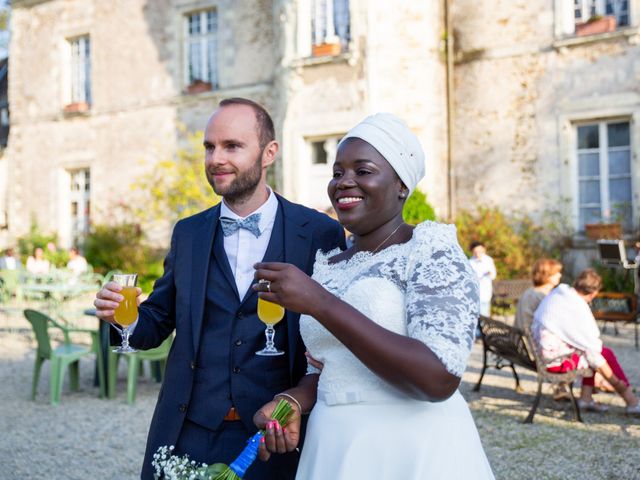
[125, 338]
[269, 333]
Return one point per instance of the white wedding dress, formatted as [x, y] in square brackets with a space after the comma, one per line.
[363, 428]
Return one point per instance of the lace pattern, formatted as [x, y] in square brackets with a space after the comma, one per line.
[424, 288]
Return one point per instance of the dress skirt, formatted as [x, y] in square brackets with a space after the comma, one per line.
[398, 439]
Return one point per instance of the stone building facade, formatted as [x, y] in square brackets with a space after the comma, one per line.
[542, 112]
[546, 113]
[99, 90]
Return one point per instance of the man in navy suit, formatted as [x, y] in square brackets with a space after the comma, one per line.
[214, 381]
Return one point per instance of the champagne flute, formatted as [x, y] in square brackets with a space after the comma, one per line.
[127, 311]
[269, 313]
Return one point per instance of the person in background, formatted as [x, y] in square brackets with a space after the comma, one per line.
[546, 274]
[77, 263]
[485, 270]
[10, 261]
[36, 263]
[566, 333]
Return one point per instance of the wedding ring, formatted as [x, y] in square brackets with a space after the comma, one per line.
[265, 282]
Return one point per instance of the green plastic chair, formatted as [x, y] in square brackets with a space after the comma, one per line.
[134, 360]
[65, 355]
[10, 285]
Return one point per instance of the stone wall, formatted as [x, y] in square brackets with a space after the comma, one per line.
[519, 89]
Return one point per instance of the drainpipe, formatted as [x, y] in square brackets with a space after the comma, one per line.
[449, 97]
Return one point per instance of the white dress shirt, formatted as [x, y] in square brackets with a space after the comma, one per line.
[243, 248]
[486, 272]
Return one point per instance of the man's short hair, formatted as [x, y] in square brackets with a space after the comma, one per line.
[475, 244]
[266, 130]
[544, 269]
[588, 282]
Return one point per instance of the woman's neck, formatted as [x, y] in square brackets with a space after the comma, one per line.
[546, 288]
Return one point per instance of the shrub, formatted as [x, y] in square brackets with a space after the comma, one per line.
[417, 209]
[514, 242]
[36, 238]
[615, 279]
[122, 247]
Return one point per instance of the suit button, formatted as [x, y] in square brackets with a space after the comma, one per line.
[238, 342]
[182, 408]
[239, 315]
[236, 369]
[193, 365]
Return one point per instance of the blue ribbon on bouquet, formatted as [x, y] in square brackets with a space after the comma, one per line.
[248, 455]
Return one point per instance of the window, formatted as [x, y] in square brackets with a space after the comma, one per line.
[80, 70]
[80, 203]
[604, 173]
[330, 26]
[201, 51]
[587, 9]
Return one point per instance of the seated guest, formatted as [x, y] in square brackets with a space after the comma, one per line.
[10, 261]
[568, 338]
[37, 264]
[77, 263]
[546, 274]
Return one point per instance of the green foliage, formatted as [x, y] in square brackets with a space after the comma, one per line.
[37, 238]
[514, 242]
[417, 209]
[176, 188]
[122, 247]
[615, 279]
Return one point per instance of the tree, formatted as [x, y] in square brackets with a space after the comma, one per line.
[177, 187]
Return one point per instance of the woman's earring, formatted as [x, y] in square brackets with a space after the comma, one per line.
[403, 195]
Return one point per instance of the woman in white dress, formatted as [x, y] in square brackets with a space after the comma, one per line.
[391, 319]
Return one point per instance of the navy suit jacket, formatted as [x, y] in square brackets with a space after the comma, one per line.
[178, 300]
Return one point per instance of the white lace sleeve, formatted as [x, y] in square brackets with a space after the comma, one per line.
[442, 299]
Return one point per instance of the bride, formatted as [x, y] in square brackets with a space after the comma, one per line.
[391, 319]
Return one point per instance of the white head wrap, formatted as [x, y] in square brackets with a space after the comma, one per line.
[392, 138]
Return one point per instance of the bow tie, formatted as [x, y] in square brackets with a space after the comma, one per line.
[231, 225]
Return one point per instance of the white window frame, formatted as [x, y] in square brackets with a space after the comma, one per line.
[80, 69]
[565, 11]
[204, 39]
[589, 8]
[80, 194]
[323, 26]
[603, 176]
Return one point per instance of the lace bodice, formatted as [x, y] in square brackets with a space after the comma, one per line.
[424, 288]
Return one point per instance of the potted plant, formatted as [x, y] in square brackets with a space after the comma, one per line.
[76, 107]
[608, 231]
[326, 49]
[199, 86]
[596, 24]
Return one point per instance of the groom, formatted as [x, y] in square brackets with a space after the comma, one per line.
[214, 382]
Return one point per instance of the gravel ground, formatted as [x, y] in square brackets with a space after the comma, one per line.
[86, 437]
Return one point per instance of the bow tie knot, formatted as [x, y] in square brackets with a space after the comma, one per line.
[231, 225]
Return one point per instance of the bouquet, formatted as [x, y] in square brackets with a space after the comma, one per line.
[172, 467]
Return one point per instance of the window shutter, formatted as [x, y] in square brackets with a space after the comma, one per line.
[564, 18]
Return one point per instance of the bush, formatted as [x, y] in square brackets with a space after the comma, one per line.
[122, 247]
[36, 238]
[417, 209]
[615, 279]
[514, 242]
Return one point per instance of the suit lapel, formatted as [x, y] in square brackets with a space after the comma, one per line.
[203, 239]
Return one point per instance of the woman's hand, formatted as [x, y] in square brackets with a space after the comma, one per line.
[277, 439]
[288, 286]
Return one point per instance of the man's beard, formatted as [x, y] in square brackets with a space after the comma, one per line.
[242, 186]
